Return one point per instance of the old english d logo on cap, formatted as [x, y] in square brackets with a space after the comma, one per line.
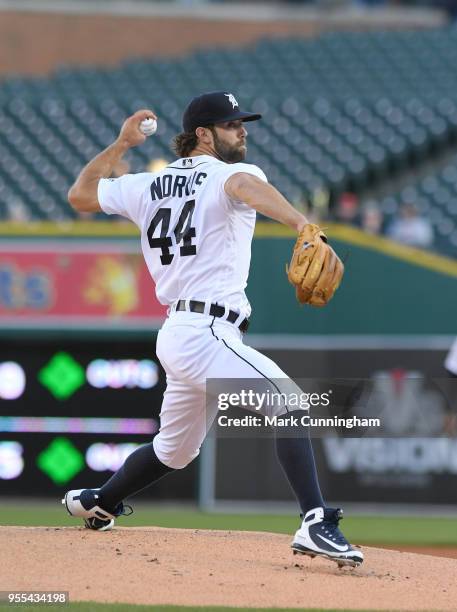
[232, 100]
[212, 108]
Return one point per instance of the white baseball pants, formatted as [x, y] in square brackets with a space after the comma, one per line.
[193, 348]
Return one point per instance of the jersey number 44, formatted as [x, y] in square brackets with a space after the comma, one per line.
[183, 232]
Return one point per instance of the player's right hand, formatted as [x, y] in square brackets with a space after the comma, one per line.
[130, 134]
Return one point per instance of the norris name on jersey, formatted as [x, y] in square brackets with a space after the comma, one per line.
[176, 185]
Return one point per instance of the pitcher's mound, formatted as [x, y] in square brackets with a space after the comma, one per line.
[151, 565]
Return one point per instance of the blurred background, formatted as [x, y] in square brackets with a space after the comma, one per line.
[359, 130]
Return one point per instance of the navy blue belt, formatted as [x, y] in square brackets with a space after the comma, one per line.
[214, 311]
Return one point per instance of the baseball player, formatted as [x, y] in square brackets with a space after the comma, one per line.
[197, 219]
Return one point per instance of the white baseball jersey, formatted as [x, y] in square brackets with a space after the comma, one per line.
[195, 239]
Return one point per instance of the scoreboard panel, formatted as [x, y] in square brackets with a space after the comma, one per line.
[72, 410]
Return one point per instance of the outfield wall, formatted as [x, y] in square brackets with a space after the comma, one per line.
[67, 283]
[387, 289]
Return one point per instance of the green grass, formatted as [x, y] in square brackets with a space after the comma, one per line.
[88, 606]
[360, 529]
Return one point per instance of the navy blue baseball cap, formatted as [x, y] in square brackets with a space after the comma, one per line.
[214, 107]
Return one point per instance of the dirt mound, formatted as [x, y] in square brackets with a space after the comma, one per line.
[151, 565]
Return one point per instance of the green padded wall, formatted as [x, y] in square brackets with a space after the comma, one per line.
[380, 294]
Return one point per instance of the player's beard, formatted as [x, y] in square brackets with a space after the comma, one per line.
[228, 153]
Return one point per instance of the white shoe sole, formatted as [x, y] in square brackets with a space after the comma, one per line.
[298, 549]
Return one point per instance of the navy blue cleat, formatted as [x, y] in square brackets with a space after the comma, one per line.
[319, 536]
[83, 503]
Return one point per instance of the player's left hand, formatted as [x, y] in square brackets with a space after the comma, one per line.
[315, 269]
[130, 134]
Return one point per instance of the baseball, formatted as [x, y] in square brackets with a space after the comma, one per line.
[148, 126]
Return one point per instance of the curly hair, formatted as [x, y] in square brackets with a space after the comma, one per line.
[184, 143]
